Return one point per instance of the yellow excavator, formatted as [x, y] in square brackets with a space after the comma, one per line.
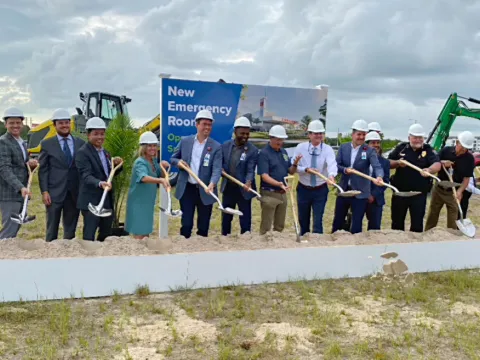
[101, 104]
[152, 125]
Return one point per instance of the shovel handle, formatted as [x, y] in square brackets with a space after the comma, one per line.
[418, 169]
[320, 175]
[190, 171]
[238, 182]
[454, 191]
[114, 169]
[365, 176]
[30, 174]
[295, 218]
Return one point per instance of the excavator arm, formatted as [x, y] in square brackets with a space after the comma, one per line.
[453, 107]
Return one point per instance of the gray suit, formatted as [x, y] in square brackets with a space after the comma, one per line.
[61, 181]
[13, 177]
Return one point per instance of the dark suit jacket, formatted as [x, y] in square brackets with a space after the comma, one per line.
[91, 173]
[207, 174]
[245, 168]
[360, 164]
[378, 192]
[13, 171]
[54, 174]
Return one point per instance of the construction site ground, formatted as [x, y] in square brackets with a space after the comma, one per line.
[433, 316]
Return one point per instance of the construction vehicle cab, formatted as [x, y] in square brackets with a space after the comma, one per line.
[103, 105]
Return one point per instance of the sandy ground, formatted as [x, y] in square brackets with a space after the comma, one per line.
[126, 246]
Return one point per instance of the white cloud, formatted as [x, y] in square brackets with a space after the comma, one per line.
[388, 61]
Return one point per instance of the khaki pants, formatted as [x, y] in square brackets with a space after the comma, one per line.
[442, 197]
[273, 213]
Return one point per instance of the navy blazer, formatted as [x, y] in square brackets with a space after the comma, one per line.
[361, 164]
[245, 168]
[208, 174]
[378, 192]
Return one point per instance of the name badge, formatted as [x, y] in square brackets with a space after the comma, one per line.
[206, 159]
[243, 157]
[285, 157]
[364, 155]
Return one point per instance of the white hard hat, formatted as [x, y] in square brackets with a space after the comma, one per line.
[61, 114]
[374, 126]
[416, 130]
[373, 135]
[316, 126]
[204, 114]
[278, 131]
[360, 125]
[466, 139]
[95, 123]
[148, 137]
[13, 112]
[242, 122]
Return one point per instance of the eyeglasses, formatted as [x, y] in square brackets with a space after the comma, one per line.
[311, 149]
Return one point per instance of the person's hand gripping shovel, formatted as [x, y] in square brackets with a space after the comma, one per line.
[444, 184]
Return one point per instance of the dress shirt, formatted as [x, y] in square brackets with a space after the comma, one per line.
[197, 151]
[69, 142]
[353, 157]
[326, 162]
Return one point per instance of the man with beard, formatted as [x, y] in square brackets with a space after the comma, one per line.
[355, 155]
[460, 161]
[58, 177]
[203, 155]
[416, 152]
[14, 160]
[239, 161]
[376, 200]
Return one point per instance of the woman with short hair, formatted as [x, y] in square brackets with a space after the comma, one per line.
[142, 194]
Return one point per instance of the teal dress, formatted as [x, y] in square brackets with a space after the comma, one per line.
[141, 198]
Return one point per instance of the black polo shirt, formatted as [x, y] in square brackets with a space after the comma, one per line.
[463, 166]
[274, 163]
[406, 178]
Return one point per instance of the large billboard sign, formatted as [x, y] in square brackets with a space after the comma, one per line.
[264, 106]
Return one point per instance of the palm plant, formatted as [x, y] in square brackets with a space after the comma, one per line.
[121, 139]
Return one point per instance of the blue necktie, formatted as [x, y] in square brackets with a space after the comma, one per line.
[66, 150]
[313, 165]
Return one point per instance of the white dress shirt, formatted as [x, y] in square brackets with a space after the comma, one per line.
[69, 142]
[326, 162]
[353, 155]
[22, 146]
[197, 151]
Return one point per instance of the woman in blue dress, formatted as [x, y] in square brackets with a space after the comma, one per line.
[142, 194]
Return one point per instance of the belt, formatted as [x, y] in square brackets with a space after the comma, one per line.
[311, 187]
[273, 190]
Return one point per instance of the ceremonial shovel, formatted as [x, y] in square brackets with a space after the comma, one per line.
[295, 218]
[99, 210]
[271, 201]
[23, 218]
[341, 193]
[442, 183]
[169, 211]
[395, 190]
[227, 210]
[464, 225]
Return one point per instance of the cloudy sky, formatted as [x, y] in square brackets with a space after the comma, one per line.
[389, 61]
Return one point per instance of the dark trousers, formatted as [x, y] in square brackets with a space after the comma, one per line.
[188, 203]
[416, 205]
[70, 218]
[104, 224]
[374, 216]
[232, 196]
[358, 207]
[464, 203]
[308, 199]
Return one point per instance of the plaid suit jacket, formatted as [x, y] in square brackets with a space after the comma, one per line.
[13, 170]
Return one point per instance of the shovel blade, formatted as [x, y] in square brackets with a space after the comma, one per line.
[350, 193]
[466, 227]
[98, 211]
[231, 211]
[176, 213]
[16, 219]
[407, 193]
[448, 184]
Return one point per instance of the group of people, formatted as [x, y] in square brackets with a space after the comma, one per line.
[74, 173]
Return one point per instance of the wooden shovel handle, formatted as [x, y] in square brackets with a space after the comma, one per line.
[190, 171]
[310, 171]
[30, 174]
[230, 177]
[454, 191]
[114, 169]
[417, 168]
[356, 172]
[165, 172]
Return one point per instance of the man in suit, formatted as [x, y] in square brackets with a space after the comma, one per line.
[203, 156]
[359, 156]
[14, 159]
[239, 160]
[94, 167]
[376, 200]
[58, 177]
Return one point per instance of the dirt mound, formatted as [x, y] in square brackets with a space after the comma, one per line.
[127, 246]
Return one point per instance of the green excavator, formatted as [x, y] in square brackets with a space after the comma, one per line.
[453, 107]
